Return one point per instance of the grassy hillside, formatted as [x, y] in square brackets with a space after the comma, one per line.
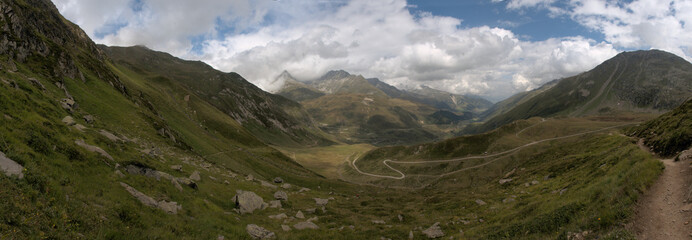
[641, 81]
[274, 119]
[670, 133]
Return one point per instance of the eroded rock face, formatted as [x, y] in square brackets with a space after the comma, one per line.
[257, 232]
[248, 202]
[10, 167]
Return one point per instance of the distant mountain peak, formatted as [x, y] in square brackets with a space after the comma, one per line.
[335, 74]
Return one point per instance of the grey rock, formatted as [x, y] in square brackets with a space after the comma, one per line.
[275, 204]
[91, 148]
[176, 184]
[378, 222]
[321, 202]
[434, 231]
[508, 200]
[286, 228]
[303, 190]
[312, 219]
[177, 167]
[267, 184]
[110, 136]
[10, 167]
[80, 127]
[168, 207]
[195, 176]
[250, 178]
[410, 234]
[88, 119]
[480, 202]
[286, 186]
[248, 202]
[37, 83]
[69, 121]
[281, 195]
[278, 216]
[503, 181]
[278, 180]
[510, 173]
[119, 173]
[310, 210]
[401, 218]
[300, 215]
[257, 232]
[305, 225]
[534, 182]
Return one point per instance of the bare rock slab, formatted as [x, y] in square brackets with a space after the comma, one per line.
[257, 232]
[10, 167]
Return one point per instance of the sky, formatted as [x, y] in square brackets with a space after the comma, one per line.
[490, 48]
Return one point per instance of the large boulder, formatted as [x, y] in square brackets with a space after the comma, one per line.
[248, 202]
[257, 232]
[10, 167]
[434, 231]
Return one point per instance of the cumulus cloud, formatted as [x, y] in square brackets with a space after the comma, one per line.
[387, 39]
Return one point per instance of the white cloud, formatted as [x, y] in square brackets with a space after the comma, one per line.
[261, 38]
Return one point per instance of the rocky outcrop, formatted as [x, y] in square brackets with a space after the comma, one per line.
[248, 202]
[10, 167]
[257, 232]
[168, 207]
[91, 148]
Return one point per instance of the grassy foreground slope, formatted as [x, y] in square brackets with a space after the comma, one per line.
[670, 133]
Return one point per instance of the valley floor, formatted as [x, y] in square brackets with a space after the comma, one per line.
[664, 212]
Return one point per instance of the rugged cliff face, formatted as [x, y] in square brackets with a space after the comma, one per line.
[33, 32]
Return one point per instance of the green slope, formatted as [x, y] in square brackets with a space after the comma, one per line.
[642, 81]
[670, 133]
[272, 118]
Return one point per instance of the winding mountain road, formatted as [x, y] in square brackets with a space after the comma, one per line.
[402, 175]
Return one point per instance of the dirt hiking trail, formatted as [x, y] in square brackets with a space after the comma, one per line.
[664, 211]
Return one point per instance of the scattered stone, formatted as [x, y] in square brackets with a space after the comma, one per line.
[37, 83]
[275, 204]
[220, 237]
[303, 190]
[195, 176]
[508, 200]
[401, 218]
[547, 177]
[80, 127]
[168, 207]
[119, 173]
[313, 219]
[480, 202]
[321, 202]
[176, 185]
[67, 104]
[278, 216]
[300, 215]
[187, 181]
[534, 182]
[178, 168]
[286, 228]
[257, 232]
[503, 181]
[563, 191]
[510, 173]
[69, 121]
[378, 222]
[410, 234]
[281, 195]
[434, 231]
[305, 225]
[91, 148]
[310, 210]
[88, 119]
[7, 117]
[267, 184]
[248, 202]
[250, 178]
[110, 136]
[10, 167]
[278, 180]
[577, 236]
[286, 186]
